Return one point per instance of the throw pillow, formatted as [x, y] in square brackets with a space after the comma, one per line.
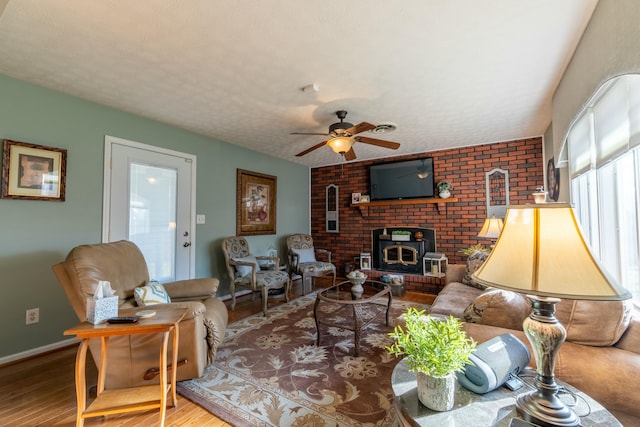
[475, 260]
[497, 307]
[473, 312]
[305, 255]
[245, 270]
[150, 294]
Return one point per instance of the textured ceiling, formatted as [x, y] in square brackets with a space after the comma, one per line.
[447, 73]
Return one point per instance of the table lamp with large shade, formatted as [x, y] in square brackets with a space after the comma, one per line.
[541, 253]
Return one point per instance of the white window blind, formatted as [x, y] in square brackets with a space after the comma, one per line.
[634, 109]
[580, 142]
[611, 123]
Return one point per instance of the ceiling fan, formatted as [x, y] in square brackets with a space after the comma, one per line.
[342, 138]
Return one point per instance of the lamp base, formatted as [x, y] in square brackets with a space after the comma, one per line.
[545, 410]
[542, 406]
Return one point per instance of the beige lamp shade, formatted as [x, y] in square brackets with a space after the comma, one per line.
[541, 251]
[491, 228]
[340, 144]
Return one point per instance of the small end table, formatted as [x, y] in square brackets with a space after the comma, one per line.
[114, 401]
[496, 408]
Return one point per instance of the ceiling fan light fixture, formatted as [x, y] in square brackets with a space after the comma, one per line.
[423, 175]
[341, 144]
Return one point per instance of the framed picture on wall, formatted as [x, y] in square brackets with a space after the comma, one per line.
[34, 172]
[255, 203]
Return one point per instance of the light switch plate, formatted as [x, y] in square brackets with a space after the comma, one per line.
[200, 219]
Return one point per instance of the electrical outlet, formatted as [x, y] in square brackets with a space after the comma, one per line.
[33, 316]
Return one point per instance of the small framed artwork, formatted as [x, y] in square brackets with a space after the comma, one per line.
[365, 198]
[33, 172]
[355, 197]
[255, 203]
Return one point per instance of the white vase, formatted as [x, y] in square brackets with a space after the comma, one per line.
[445, 194]
[437, 393]
[357, 289]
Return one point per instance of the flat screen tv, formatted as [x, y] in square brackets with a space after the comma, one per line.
[409, 179]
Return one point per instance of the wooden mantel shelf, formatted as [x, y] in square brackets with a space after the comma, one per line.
[440, 203]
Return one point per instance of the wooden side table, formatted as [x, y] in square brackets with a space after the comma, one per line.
[114, 401]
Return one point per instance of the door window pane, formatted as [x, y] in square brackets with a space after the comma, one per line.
[152, 213]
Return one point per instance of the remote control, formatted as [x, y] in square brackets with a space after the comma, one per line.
[127, 319]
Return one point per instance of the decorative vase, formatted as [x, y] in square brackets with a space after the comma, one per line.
[357, 278]
[418, 236]
[357, 291]
[437, 393]
[445, 194]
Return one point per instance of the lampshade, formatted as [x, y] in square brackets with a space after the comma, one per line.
[491, 228]
[541, 251]
[341, 144]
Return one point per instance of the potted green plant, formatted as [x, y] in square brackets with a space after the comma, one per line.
[476, 248]
[444, 189]
[403, 235]
[434, 348]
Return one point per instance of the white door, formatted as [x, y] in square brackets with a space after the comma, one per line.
[149, 199]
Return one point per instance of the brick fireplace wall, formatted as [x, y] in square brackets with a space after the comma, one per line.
[456, 226]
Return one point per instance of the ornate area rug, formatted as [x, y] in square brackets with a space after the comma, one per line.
[269, 371]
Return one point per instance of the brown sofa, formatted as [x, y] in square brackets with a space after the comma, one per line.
[601, 355]
[123, 264]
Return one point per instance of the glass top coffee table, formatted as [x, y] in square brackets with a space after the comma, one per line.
[339, 307]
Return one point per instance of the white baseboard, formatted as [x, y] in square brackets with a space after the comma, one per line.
[238, 294]
[36, 351]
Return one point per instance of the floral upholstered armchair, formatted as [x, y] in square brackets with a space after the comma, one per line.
[244, 271]
[303, 260]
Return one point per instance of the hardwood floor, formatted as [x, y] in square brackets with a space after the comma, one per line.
[41, 391]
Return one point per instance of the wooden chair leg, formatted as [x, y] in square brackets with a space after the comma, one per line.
[265, 299]
[233, 296]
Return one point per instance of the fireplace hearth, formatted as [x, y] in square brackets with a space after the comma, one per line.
[401, 252]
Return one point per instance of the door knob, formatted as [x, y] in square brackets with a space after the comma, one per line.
[186, 244]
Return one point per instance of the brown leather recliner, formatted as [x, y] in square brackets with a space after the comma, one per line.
[132, 357]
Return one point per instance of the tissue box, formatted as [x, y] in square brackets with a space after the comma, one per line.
[99, 310]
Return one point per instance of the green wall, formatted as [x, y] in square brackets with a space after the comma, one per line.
[34, 235]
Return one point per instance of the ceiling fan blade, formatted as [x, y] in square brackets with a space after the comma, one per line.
[350, 155]
[380, 143]
[308, 150]
[308, 133]
[360, 127]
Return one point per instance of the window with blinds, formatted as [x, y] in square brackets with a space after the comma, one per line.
[604, 166]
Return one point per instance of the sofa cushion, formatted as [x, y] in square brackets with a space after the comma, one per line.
[150, 294]
[453, 299]
[497, 307]
[631, 339]
[475, 260]
[595, 323]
